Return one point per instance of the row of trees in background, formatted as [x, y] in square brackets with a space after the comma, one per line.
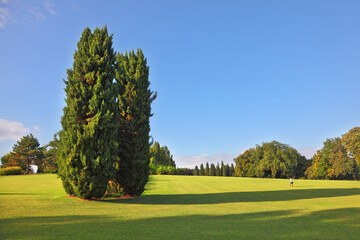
[27, 151]
[162, 162]
[338, 159]
[224, 170]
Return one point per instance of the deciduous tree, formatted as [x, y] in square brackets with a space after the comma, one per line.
[160, 155]
[272, 159]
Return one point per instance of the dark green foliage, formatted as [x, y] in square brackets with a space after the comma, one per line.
[207, 169]
[25, 152]
[196, 171]
[5, 160]
[50, 152]
[227, 170]
[11, 170]
[88, 145]
[184, 171]
[212, 170]
[169, 170]
[134, 105]
[333, 162]
[222, 169]
[217, 170]
[202, 170]
[232, 170]
[160, 155]
[271, 159]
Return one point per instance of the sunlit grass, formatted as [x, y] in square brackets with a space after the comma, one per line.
[183, 207]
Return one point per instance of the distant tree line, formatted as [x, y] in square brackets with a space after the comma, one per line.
[162, 162]
[224, 170]
[28, 151]
[338, 159]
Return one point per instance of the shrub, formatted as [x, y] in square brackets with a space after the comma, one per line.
[162, 170]
[11, 171]
[165, 170]
[113, 188]
[184, 171]
[50, 170]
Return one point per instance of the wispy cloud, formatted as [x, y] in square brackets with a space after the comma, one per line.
[192, 161]
[4, 1]
[5, 17]
[36, 128]
[39, 16]
[11, 130]
[49, 7]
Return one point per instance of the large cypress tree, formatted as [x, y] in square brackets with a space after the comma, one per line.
[88, 137]
[134, 102]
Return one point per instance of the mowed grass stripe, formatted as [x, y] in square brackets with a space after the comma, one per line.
[183, 207]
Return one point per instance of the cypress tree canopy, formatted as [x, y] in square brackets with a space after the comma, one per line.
[134, 105]
[88, 136]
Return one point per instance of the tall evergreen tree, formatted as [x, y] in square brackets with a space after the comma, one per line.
[232, 170]
[88, 137]
[222, 169]
[196, 171]
[207, 169]
[217, 170]
[202, 170]
[225, 171]
[134, 103]
[212, 170]
[25, 152]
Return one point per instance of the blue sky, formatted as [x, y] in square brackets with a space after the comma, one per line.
[229, 74]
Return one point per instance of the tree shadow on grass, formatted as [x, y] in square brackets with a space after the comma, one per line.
[234, 197]
[290, 224]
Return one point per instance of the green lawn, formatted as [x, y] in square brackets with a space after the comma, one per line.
[183, 207]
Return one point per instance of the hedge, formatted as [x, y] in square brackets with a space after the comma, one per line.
[10, 171]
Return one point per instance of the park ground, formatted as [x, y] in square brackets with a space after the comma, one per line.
[183, 207]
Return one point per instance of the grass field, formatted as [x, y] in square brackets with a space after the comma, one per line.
[183, 207]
